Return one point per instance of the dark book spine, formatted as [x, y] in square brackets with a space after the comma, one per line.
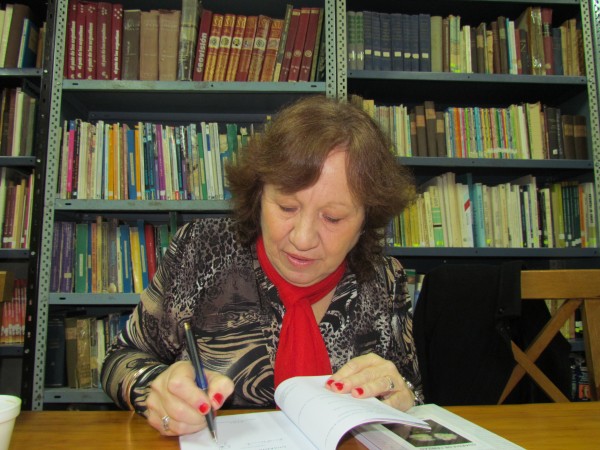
[386, 41]
[368, 39]
[397, 42]
[424, 42]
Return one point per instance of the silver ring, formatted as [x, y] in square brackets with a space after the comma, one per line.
[391, 384]
[165, 422]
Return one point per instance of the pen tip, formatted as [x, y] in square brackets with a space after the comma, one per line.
[214, 433]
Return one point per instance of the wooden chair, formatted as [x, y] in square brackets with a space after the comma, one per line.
[579, 288]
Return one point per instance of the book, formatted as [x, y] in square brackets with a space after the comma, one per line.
[190, 12]
[246, 50]
[15, 29]
[168, 43]
[236, 47]
[270, 58]
[289, 9]
[130, 69]
[212, 49]
[103, 41]
[202, 44]
[149, 45]
[289, 45]
[260, 45]
[71, 40]
[116, 48]
[298, 47]
[311, 416]
[316, 15]
[224, 47]
[91, 19]
[447, 430]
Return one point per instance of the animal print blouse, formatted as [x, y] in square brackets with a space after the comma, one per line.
[208, 277]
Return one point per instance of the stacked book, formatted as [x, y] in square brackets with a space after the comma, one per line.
[21, 38]
[107, 42]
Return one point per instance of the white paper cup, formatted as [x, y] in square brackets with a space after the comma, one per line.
[10, 407]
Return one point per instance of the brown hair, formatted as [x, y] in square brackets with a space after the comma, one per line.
[290, 154]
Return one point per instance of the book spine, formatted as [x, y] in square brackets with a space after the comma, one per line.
[91, 19]
[213, 47]
[130, 69]
[289, 45]
[103, 41]
[270, 58]
[80, 47]
[187, 39]
[202, 45]
[259, 48]
[301, 32]
[282, 42]
[236, 47]
[309, 44]
[246, 51]
[224, 47]
[116, 48]
[71, 40]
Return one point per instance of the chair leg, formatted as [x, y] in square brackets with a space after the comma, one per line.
[591, 334]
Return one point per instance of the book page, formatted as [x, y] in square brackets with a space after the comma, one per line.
[253, 431]
[325, 416]
[448, 431]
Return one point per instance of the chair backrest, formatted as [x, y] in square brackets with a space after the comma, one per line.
[578, 288]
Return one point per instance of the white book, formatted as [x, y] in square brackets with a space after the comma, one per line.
[6, 21]
[311, 416]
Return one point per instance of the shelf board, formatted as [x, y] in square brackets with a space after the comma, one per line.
[539, 164]
[20, 73]
[67, 395]
[63, 299]
[11, 350]
[204, 206]
[454, 252]
[17, 161]
[9, 253]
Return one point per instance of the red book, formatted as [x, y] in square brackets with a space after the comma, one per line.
[224, 47]
[294, 72]
[150, 250]
[116, 32]
[91, 14]
[236, 47]
[202, 45]
[289, 45]
[103, 41]
[260, 45]
[80, 46]
[309, 44]
[268, 66]
[213, 47]
[246, 51]
[547, 38]
[71, 44]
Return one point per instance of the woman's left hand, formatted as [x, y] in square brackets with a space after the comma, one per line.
[372, 376]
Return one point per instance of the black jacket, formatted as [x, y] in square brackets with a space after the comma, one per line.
[464, 319]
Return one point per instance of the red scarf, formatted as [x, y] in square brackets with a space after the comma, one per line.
[301, 349]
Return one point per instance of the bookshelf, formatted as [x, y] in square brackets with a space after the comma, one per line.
[573, 94]
[26, 77]
[181, 102]
[156, 101]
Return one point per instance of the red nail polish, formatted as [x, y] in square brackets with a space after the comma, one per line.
[329, 382]
[204, 408]
[339, 386]
[218, 398]
[359, 391]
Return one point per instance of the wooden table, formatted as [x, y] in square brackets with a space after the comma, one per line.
[538, 426]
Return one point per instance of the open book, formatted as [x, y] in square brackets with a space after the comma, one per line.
[448, 431]
[311, 416]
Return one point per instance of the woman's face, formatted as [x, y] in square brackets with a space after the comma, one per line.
[308, 234]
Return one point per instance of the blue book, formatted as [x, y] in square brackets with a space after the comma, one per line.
[424, 42]
[125, 268]
[408, 56]
[131, 163]
[413, 42]
[143, 255]
[368, 40]
[397, 42]
[376, 40]
[29, 38]
[386, 41]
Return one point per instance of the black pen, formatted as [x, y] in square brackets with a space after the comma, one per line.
[200, 376]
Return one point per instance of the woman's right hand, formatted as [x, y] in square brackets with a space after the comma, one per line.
[177, 406]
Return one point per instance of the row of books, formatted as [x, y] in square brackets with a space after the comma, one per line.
[107, 42]
[21, 39]
[76, 347]
[455, 211]
[523, 131]
[16, 202]
[12, 315]
[17, 122]
[106, 255]
[148, 161]
[529, 44]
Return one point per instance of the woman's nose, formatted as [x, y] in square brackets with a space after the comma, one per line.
[304, 235]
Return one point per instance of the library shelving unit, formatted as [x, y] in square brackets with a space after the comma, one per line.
[23, 262]
[129, 101]
[572, 94]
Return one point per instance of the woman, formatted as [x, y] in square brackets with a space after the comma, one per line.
[294, 284]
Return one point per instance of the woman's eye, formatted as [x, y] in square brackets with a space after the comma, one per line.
[287, 209]
[331, 219]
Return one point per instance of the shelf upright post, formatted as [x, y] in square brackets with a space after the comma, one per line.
[50, 111]
[590, 13]
[341, 74]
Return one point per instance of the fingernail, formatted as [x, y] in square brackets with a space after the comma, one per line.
[359, 390]
[339, 386]
[218, 398]
[204, 408]
[329, 382]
